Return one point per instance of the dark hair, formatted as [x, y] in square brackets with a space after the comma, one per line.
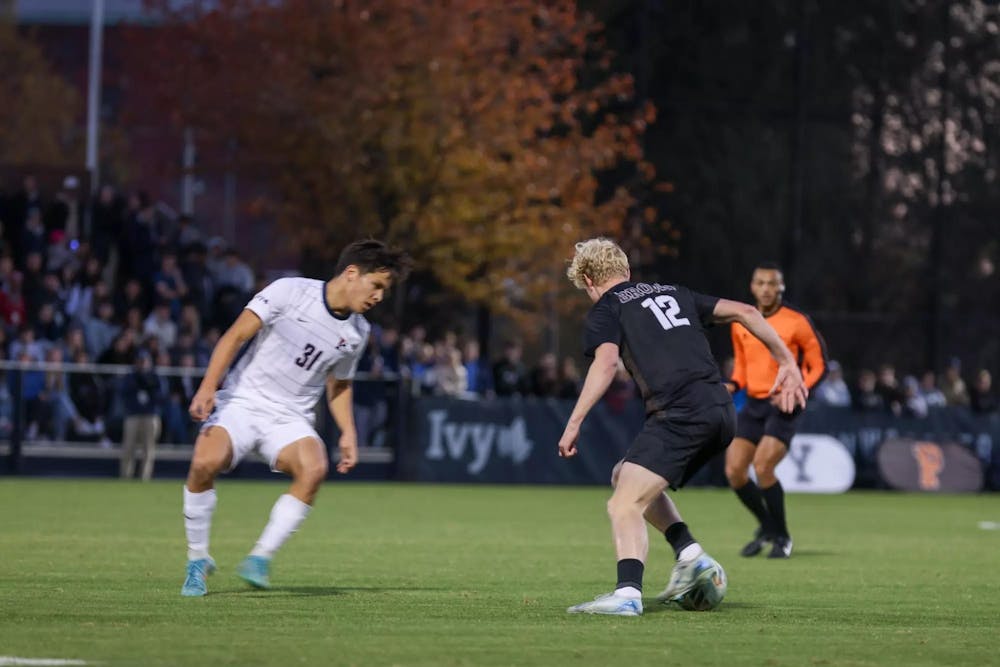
[768, 266]
[371, 255]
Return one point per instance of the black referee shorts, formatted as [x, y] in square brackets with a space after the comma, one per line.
[675, 447]
[759, 418]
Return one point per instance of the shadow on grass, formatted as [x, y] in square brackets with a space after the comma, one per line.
[655, 607]
[314, 591]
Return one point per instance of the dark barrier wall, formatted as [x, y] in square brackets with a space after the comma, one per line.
[506, 441]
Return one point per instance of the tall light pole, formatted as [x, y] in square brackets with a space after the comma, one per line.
[94, 91]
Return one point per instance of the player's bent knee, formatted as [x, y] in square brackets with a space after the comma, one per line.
[313, 474]
[615, 472]
[737, 477]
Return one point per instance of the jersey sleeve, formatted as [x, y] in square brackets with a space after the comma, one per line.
[271, 301]
[705, 307]
[739, 377]
[347, 366]
[813, 360]
[602, 326]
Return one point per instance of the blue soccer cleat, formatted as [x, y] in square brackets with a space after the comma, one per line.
[197, 571]
[256, 571]
[610, 604]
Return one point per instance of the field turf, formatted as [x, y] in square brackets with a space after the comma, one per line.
[390, 574]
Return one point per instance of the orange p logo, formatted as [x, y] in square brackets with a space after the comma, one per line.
[930, 463]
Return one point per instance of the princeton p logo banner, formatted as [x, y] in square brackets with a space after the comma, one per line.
[930, 462]
[920, 465]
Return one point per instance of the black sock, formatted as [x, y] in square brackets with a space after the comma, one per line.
[774, 496]
[630, 573]
[754, 501]
[679, 537]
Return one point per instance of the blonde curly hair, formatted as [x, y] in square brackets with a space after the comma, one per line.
[598, 259]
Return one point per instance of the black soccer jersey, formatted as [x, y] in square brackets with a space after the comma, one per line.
[659, 330]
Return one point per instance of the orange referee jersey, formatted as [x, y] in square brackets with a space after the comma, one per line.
[755, 369]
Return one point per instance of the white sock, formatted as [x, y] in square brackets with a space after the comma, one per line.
[198, 509]
[628, 592]
[287, 515]
[690, 552]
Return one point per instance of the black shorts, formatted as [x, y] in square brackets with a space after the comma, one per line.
[676, 447]
[759, 418]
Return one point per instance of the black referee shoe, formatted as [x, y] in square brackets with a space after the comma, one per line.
[782, 547]
[756, 545]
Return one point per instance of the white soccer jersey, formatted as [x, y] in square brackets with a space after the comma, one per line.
[285, 366]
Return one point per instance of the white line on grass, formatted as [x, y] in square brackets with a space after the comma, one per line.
[989, 525]
[37, 662]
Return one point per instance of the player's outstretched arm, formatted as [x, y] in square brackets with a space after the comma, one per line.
[789, 386]
[242, 330]
[340, 399]
[599, 376]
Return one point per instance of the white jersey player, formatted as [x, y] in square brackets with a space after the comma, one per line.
[295, 338]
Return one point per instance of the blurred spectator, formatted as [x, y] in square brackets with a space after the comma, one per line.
[121, 351]
[131, 296]
[87, 395]
[621, 390]
[106, 215]
[141, 397]
[13, 311]
[477, 372]
[187, 234]
[27, 199]
[169, 284]
[32, 384]
[866, 398]
[450, 375]
[833, 390]
[100, 330]
[545, 376]
[388, 349]
[63, 215]
[509, 375]
[569, 379]
[913, 400]
[953, 386]
[33, 286]
[177, 424]
[33, 237]
[138, 251]
[50, 324]
[928, 389]
[234, 274]
[53, 408]
[422, 370]
[888, 387]
[983, 399]
[370, 408]
[73, 342]
[57, 253]
[26, 346]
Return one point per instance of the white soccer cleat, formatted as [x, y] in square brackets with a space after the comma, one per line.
[610, 604]
[685, 576]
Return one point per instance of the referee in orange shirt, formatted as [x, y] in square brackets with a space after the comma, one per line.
[763, 432]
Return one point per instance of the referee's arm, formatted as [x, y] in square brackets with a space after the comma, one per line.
[789, 386]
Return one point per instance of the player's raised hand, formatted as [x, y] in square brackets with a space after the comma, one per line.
[567, 443]
[348, 452]
[202, 404]
[789, 390]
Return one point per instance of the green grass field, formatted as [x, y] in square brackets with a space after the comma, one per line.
[388, 574]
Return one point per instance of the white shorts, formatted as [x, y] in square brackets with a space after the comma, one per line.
[258, 430]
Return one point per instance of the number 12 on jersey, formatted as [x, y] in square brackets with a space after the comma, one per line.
[666, 309]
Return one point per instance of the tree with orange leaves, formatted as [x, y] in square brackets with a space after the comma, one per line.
[472, 131]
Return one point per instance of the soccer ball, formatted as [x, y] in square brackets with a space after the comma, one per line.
[708, 591]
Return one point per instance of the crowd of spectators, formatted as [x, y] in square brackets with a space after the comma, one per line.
[883, 391]
[117, 282]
